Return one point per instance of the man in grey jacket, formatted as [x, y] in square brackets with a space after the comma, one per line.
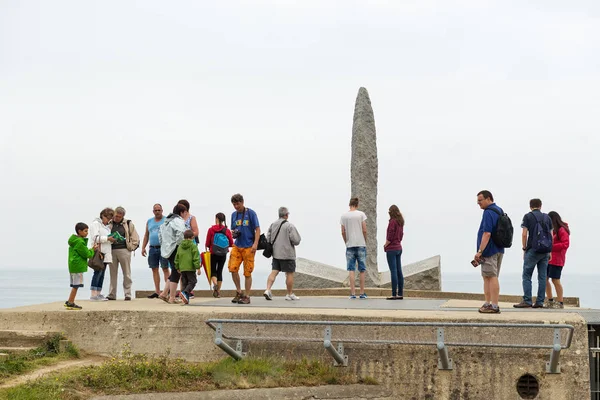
[284, 236]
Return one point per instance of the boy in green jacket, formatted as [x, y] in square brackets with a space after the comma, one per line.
[187, 261]
[78, 256]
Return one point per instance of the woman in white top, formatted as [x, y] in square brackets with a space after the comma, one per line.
[98, 233]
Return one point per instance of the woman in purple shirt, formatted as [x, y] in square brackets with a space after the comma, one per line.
[393, 251]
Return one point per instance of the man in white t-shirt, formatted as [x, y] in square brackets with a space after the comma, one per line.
[354, 233]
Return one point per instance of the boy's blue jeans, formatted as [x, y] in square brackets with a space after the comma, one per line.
[393, 259]
[98, 280]
[530, 261]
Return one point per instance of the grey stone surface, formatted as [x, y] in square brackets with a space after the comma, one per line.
[422, 275]
[371, 303]
[315, 275]
[364, 175]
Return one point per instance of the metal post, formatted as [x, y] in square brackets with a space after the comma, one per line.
[341, 360]
[444, 362]
[553, 367]
[235, 354]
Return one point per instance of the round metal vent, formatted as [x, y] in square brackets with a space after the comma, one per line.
[528, 387]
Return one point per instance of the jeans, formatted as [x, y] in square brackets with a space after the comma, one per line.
[393, 259]
[356, 255]
[532, 260]
[188, 281]
[98, 280]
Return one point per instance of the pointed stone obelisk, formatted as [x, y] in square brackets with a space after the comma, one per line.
[364, 173]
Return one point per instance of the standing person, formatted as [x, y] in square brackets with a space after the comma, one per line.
[99, 233]
[246, 232]
[170, 236]
[218, 242]
[121, 253]
[560, 244]
[354, 233]
[489, 254]
[393, 251]
[187, 262]
[284, 237]
[154, 258]
[78, 256]
[537, 246]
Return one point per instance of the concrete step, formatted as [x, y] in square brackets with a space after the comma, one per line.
[24, 338]
[16, 349]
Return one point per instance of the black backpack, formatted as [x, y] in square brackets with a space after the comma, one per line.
[541, 241]
[503, 234]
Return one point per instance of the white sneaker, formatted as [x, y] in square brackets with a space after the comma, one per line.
[95, 298]
[102, 298]
[268, 295]
[291, 297]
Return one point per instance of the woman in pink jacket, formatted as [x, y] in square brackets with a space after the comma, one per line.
[560, 244]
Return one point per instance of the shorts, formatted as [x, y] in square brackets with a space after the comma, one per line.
[239, 255]
[76, 280]
[155, 259]
[287, 266]
[356, 255]
[554, 271]
[490, 266]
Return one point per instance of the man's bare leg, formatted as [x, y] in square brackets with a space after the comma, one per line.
[494, 290]
[486, 290]
[271, 279]
[156, 278]
[362, 282]
[236, 281]
[289, 282]
[351, 278]
[248, 284]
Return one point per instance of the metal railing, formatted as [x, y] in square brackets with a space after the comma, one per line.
[341, 359]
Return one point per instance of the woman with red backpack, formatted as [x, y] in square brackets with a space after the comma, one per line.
[218, 242]
[560, 244]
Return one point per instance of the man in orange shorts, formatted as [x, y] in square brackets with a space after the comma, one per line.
[245, 229]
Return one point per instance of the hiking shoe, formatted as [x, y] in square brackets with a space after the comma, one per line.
[153, 296]
[538, 305]
[352, 297]
[244, 300]
[66, 302]
[490, 310]
[559, 305]
[291, 297]
[522, 305]
[72, 306]
[268, 295]
[237, 297]
[484, 307]
[127, 298]
[185, 298]
[363, 296]
[215, 291]
[110, 298]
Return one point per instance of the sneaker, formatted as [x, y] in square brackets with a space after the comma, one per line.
[522, 305]
[110, 298]
[352, 297]
[72, 306]
[237, 297]
[490, 310]
[559, 305]
[153, 296]
[291, 297]
[95, 298]
[66, 302]
[185, 298]
[102, 298]
[244, 300]
[268, 295]
[127, 298]
[191, 295]
[215, 291]
[538, 305]
[484, 307]
[363, 296]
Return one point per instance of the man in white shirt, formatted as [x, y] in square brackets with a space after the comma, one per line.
[354, 233]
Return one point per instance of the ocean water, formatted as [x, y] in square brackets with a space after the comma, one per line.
[45, 285]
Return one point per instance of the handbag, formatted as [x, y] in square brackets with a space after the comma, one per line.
[268, 251]
[97, 261]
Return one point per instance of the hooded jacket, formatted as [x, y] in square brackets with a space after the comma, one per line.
[188, 257]
[170, 234]
[212, 231]
[78, 254]
[99, 232]
[287, 240]
[560, 244]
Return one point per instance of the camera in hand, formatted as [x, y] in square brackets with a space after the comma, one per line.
[475, 263]
[235, 233]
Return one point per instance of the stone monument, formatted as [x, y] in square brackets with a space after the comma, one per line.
[422, 275]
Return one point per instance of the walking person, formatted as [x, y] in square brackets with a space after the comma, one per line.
[354, 233]
[393, 251]
[537, 246]
[187, 262]
[489, 253]
[190, 223]
[218, 242]
[246, 232]
[121, 253]
[170, 236]
[155, 260]
[284, 237]
[560, 244]
[99, 232]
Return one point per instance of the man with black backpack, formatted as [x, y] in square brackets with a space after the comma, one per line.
[495, 233]
[537, 245]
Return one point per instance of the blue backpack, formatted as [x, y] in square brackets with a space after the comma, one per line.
[541, 237]
[220, 243]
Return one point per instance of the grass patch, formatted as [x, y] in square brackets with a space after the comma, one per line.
[135, 373]
[19, 363]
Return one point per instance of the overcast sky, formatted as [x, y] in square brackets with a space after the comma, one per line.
[131, 103]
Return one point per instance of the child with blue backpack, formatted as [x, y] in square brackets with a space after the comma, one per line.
[218, 242]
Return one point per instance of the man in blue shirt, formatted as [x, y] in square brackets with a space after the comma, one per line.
[245, 229]
[154, 257]
[489, 254]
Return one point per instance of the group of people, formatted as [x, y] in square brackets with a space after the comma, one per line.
[544, 239]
